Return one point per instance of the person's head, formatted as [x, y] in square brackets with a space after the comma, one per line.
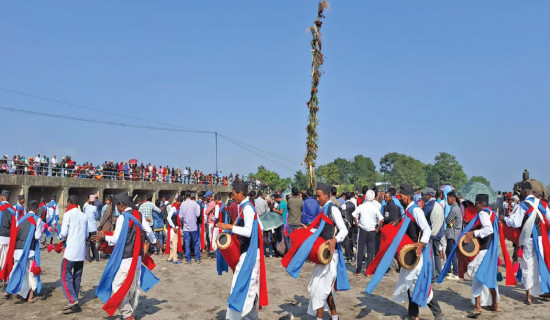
[369, 196]
[149, 197]
[187, 194]
[323, 193]
[364, 190]
[482, 201]
[218, 197]
[252, 195]
[33, 206]
[21, 199]
[260, 194]
[179, 199]
[295, 191]
[333, 191]
[208, 195]
[392, 191]
[451, 198]
[350, 195]
[54, 197]
[387, 196]
[526, 189]
[406, 191]
[73, 200]
[122, 201]
[439, 194]
[278, 197]
[429, 194]
[91, 198]
[310, 192]
[108, 200]
[4, 196]
[239, 190]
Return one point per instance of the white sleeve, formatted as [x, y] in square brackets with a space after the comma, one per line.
[356, 212]
[418, 215]
[169, 217]
[342, 229]
[112, 240]
[515, 219]
[487, 229]
[39, 228]
[217, 211]
[147, 228]
[245, 231]
[379, 216]
[65, 227]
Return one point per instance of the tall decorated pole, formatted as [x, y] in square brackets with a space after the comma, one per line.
[313, 103]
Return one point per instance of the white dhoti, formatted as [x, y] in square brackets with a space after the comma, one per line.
[29, 280]
[3, 254]
[407, 282]
[478, 289]
[530, 277]
[215, 232]
[321, 285]
[253, 289]
[130, 302]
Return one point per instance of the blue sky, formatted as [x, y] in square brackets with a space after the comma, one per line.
[418, 77]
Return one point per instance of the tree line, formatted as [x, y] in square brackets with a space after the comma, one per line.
[394, 168]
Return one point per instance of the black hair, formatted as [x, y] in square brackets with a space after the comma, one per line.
[252, 194]
[438, 194]
[295, 191]
[452, 194]
[365, 189]
[333, 191]
[73, 199]
[310, 192]
[218, 196]
[392, 191]
[149, 197]
[188, 194]
[349, 195]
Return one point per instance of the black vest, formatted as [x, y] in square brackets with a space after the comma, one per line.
[537, 219]
[245, 242]
[329, 231]
[131, 240]
[485, 242]
[22, 233]
[5, 224]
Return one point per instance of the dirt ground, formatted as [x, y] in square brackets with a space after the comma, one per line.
[197, 292]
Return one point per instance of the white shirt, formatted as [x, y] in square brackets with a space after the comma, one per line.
[37, 235]
[515, 220]
[368, 215]
[261, 206]
[337, 218]
[50, 212]
[172, 211]
[90, 210]
[248, 216]
[112, 240]
[487, 226]
[354, 201]
[74, 230]
[53, 161]
[420, 218]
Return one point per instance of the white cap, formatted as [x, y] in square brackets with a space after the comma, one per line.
[370, 195]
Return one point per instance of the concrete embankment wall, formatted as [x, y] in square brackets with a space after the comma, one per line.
[35, 187]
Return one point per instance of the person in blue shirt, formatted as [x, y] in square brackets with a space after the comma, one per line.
[158, 227]
[392, 191]
[311, 209]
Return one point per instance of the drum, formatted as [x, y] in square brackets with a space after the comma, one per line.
[319, 254]
[103, 246]
[407, 256]
[230, 248]
[469, 249]
[510, 233]
[387, 233]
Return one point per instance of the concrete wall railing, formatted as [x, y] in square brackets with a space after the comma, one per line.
[35, 187]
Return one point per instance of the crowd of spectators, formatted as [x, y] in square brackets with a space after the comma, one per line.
[130, 170]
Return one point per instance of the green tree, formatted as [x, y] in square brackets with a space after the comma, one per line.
[399, 169]
[329, 174]
[445, 170]
[300, 180]
[363, 172]
[479, 179]
[271, 179]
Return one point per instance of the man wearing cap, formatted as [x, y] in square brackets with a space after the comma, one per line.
[482, 295]
[74, 232]
[173, 241]
[454, 228]
[8, 227]
[528, 216]
[188, 214]
[127, 267]
[434, 217]
[20, 207]
[418, 230]
[25, 276]
[249, 290]
[368, 220]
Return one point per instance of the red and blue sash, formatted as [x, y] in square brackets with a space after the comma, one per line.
[422, 288]
[20, 270]
[19, 211]
[221, 264]
[240, 290]
[147, 279]
[544, 259]
[168, 236]
[8, 264]
[52, 205]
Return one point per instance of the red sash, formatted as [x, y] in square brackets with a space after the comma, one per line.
[168, 236]
[8, 265]
[111, 306]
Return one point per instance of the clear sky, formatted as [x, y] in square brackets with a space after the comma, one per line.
[471, 78]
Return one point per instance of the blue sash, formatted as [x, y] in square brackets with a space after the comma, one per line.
[488, 269]
[10, 209]
[147, 279]
[543, 269]
[240, 290]
[221, 264]
[52, 219]
[19, 272]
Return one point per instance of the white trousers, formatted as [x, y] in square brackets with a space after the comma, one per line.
[130, 302]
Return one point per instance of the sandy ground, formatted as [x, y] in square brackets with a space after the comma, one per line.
[197, 292]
